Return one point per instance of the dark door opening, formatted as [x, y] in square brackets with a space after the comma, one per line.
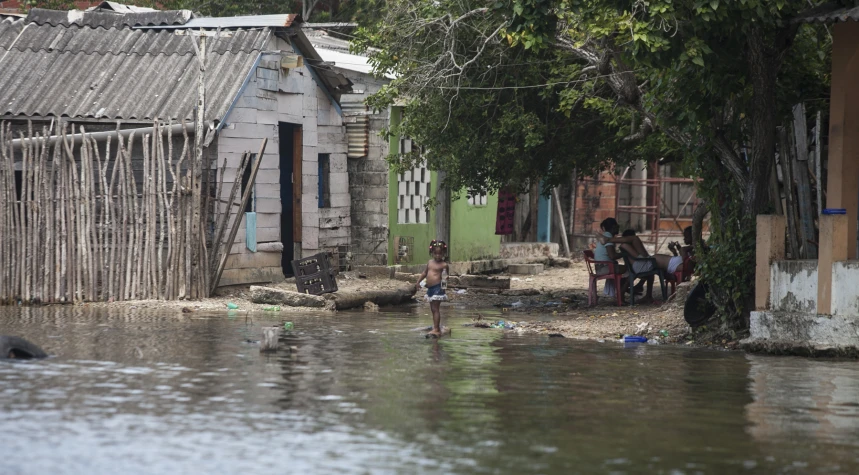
[289, 144]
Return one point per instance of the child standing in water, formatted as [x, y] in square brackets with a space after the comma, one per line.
[436, 275]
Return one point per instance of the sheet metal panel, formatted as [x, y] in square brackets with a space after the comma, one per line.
[357, 120]
[118, 74]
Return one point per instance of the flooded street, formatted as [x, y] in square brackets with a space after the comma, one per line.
[136, 392]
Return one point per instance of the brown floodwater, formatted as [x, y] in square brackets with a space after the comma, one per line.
[134, 391]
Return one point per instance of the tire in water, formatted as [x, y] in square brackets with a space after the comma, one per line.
[13, 347]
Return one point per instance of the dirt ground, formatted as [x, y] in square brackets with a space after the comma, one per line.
[558, 295]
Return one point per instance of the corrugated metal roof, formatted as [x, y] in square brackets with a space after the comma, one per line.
[108, 19]
[122, 79]
[321, 39]
[76, 39]
[256, 21]
[121, 8]
[10, 28]
[829, 13]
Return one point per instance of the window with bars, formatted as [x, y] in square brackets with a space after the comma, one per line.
[476, 199]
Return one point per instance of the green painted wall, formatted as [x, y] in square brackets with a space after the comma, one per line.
[472, 230]
[422, 234]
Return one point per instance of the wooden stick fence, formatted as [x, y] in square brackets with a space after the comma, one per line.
[77, 225]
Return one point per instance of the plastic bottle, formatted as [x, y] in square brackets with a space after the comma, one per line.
[288, 326]
[444, 279]
[634, 339]
[271, 309]
[232, 306]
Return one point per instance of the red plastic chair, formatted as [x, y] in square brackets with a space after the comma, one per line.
[682, 274]
[593, 278]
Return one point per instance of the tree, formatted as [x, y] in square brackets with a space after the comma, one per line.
[713, 77]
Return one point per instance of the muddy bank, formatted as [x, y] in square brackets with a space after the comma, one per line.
[553, 302]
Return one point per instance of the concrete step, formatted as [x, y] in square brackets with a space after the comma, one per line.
[525, 269]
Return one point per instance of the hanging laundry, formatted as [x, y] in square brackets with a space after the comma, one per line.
[506, 212]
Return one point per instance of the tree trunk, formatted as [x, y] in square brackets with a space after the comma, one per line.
[533, 198]
[763, 69]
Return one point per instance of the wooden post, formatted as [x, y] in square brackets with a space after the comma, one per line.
[789, 198]
[270, 339]
[833, 248]
[196, 178]
[562, 228]
[769, 248]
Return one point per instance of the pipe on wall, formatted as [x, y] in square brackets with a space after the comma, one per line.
[101, 136]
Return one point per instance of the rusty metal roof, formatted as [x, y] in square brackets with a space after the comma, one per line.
[118, 73]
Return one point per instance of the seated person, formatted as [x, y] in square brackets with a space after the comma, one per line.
[605, 251]
[633, 246]
[687, 250]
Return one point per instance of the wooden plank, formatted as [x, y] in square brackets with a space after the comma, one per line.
[297, 181]
[789, 198]
[245, 198]
[803, 184]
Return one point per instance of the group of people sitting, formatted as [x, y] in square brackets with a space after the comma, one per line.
[610, 245]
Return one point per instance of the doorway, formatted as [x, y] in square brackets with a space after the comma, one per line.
[289, 144]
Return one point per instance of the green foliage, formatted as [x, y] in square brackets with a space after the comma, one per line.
[26, 5]
[728, 266]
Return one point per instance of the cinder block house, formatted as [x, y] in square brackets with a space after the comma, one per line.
[263, 79]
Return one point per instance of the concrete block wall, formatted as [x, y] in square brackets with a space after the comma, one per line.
[368, 181]
[273, 96]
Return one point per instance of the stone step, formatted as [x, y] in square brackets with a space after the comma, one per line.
[525, 269]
